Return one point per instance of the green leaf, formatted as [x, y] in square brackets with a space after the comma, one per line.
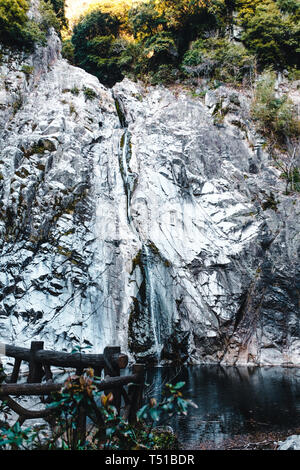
[179, 385]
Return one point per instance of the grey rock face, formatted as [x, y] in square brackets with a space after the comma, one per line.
[291, 443]
[142, 219]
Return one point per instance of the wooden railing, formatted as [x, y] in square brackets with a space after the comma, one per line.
[40, 361]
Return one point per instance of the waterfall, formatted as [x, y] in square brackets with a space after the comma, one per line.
[151, 303]
[129, 181]
[127, 175]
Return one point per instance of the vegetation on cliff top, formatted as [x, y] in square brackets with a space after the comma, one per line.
[165, 40]
[169, 39]
[17, 29]
[185, 41]
[178, 41]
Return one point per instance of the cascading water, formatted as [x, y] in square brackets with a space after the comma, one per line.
[127, 175]
[151, 303]
[149, 296]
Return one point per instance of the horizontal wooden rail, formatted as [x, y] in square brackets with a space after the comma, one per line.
[62, 359]
[23, 412]
[29, 389]
[46, 389]
[39, 364]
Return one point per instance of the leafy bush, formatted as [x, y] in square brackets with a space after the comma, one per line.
[48, 17]
[276, 114]
[14, 25]
[59, 7]
[17, 438]
[16, 28]
[108, 429]
[131, 60]
[27, 69]
[160, 49]
[89, 94]
[165, 75]
[75, 91]
[95, 46]
[272, 34]
[68, 50]
[220, 59]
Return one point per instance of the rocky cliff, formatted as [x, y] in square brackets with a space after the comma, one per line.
[142, 217]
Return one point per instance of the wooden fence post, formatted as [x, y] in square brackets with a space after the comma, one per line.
[136, 392]
[40, 362]
[15, 373]
[113, 369]
[36, 371]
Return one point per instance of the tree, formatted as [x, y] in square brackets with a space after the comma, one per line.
[178, 12]
[60, 9]
[246, 10]
[17, 29]
[96, 46]
[186, 19]
[278, 121]
[291, 7]
[13, 19]
[145, 20]
[219, 58]
[273, 35]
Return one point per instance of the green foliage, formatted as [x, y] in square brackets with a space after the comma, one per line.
[111, 431]
[75, 91]
[270, 203]
[193, 34]
[96, 47]
[145, 20]
[246, 10]
[279, 122]
[108, 430]
[17, 438]
[111, 41]
[165, 75]
[14, 22]
[59, 7]
[48, 17]
[182, 13]
[272, 34]
[89, 94]
[154, 58]
[16, 29]
[160, 34]
[28, 70]
[160, 49]
[276, 114]
[292, 178]
[68, 50]
[131, 59]
[220, 59]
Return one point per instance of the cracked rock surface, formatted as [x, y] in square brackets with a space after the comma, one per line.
[135, 216]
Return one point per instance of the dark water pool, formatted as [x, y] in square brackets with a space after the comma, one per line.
[232, 400]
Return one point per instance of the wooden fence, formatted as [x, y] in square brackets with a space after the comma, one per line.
[40, 361]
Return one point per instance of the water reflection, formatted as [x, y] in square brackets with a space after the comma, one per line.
[232, 400]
